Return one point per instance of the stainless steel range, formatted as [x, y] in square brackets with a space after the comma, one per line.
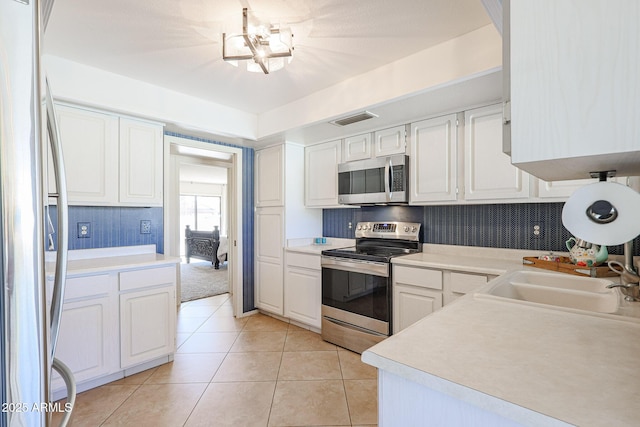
[356, 283]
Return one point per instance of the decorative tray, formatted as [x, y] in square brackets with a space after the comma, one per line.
[564, 265]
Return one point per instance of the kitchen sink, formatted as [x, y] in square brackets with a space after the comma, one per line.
[559, 290]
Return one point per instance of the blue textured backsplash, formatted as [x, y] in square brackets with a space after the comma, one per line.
[114, 226]
[496, 226]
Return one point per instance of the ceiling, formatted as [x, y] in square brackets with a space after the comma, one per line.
[176, 44]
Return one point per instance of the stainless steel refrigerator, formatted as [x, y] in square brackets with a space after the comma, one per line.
[29, 317]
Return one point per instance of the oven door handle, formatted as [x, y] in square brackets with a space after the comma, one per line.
[356, 266]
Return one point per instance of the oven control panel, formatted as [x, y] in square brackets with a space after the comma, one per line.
[389, 230]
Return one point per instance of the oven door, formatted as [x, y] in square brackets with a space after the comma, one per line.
[358, 287]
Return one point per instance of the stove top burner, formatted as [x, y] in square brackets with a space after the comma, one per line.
[381, 241]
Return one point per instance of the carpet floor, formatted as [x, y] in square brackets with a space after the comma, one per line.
[201, 280]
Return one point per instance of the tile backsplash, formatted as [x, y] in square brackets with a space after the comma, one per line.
[496, 226]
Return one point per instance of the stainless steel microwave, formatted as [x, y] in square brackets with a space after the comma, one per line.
[382, 180]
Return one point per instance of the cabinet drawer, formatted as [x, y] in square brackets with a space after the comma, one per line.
[464, 283]
[311, 261]
[147, 277]
[86, 286]
[418, 277]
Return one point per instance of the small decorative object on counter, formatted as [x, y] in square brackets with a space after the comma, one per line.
[585, 254]
[550, 257]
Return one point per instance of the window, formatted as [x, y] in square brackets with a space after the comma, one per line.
[199, 213]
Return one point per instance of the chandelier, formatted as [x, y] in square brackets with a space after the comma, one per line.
[266, 46]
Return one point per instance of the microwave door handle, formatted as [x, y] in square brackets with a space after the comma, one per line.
[387, 181]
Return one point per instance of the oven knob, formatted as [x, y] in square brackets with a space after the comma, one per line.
[414, 229]
[359, 227]
[365, 227]
[406, 229]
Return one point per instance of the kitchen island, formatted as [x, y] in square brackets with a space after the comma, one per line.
[487, 362]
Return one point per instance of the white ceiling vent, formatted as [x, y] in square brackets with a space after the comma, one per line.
[365, 115]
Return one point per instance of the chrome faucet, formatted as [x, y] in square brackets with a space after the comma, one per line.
[629, 278]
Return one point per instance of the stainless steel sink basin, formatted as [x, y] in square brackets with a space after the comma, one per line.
[559, 290]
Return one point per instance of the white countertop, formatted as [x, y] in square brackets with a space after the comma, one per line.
[531, 364]
[90, 261]
[307, 246]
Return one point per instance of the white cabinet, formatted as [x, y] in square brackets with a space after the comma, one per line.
[88, 337]
[141, 163]
[269, 185]
[284, 167]
[385, 142]
[303, 288]
[574, 84]
[321, 174]
[90, 149]
[147, 314]
[433, 160]
[457, 284]
[417, 292]
[109, 160]
[357, 147]
[488, 172]
[390, 141]
[269, 253]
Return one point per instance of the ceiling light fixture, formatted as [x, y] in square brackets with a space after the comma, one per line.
[268, 46]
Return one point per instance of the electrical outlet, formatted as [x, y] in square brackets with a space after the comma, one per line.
[84, 230]
[537, 228]
[145, 226]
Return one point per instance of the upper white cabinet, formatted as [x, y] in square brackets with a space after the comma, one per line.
[390, 141]
[384, 142]
[488, 172]
[357, 147]
[433, 160]
[140, 163]
[90, 148]
[572, 72]
[109, 160]
[321, 174]
[269, 164]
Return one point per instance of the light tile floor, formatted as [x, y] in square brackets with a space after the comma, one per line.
[252, 371]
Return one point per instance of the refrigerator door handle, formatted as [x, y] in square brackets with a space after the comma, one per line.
[67, 376]
[63, 221]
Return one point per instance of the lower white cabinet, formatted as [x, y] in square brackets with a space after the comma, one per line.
[303, 288]
[88, 337]
[147, 314]
[269, 254]
[114, 321]
[417, 292]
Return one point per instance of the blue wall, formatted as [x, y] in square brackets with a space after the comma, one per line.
[497, 226]
[113, 226]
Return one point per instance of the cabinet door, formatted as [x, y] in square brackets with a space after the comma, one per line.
[357, 147]
[488, 172]
[433, 170]
[147, 325]
[90, 148]
[321, 174]
[141, 163]
[88, 338]
[303, 295]
[561, 189]
[411, 303]
[574, 99]
[390, 141]
[269, 176]
[269, 260]
[459, 284]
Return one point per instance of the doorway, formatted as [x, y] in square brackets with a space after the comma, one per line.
[182, 154]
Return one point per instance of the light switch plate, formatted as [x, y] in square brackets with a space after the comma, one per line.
[145, 226]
